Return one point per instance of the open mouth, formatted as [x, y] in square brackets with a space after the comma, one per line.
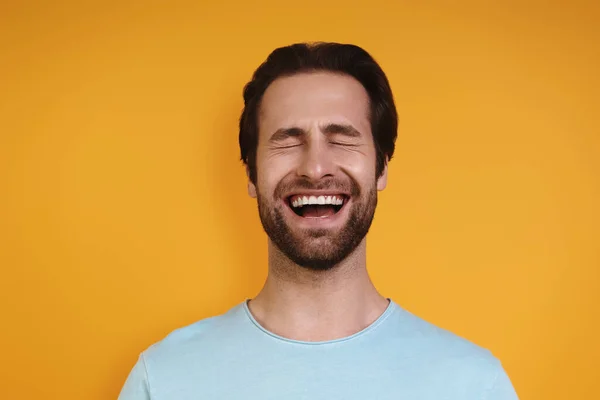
[323, 206]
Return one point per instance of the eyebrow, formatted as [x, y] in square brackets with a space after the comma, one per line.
[342, 129]
[329, 129]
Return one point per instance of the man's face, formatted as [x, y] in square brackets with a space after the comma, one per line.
[316, 180]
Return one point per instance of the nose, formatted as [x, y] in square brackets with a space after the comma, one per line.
[316, 161]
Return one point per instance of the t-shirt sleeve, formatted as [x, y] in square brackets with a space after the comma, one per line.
[136, 386]
[501, 388]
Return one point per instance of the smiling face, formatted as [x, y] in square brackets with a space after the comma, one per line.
[316, 182]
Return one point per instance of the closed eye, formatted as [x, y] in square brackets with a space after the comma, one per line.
[289, 146]
[344, 144]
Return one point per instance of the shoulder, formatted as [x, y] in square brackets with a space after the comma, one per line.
[200, 336]
[443, 358]
[421, 339]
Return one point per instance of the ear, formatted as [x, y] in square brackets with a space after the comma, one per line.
[251, 186]
[382, 180]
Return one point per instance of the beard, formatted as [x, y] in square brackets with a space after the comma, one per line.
[318, 249]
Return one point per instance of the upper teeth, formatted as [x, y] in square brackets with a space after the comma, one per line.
[304, 200]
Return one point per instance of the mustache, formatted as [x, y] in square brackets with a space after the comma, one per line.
[329, 184]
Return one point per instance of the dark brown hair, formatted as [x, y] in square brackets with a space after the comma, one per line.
[345, 59]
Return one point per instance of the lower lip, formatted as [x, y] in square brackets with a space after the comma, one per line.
[320, 222]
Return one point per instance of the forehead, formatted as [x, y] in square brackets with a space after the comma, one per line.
[317, 97]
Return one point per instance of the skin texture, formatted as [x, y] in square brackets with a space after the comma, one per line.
[315, 138]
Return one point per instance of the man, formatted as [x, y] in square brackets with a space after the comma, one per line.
[316, 135]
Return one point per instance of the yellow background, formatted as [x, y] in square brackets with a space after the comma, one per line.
[123, 206]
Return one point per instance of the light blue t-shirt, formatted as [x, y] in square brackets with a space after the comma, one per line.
[399, 356]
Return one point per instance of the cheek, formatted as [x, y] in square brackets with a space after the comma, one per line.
[361, 165]
[270, 171]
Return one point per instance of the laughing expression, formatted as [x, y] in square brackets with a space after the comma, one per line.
[316, 182]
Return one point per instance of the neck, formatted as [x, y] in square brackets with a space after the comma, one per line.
[302, 304]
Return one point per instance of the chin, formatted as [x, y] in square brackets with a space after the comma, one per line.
[320, 255]
[317, 264]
